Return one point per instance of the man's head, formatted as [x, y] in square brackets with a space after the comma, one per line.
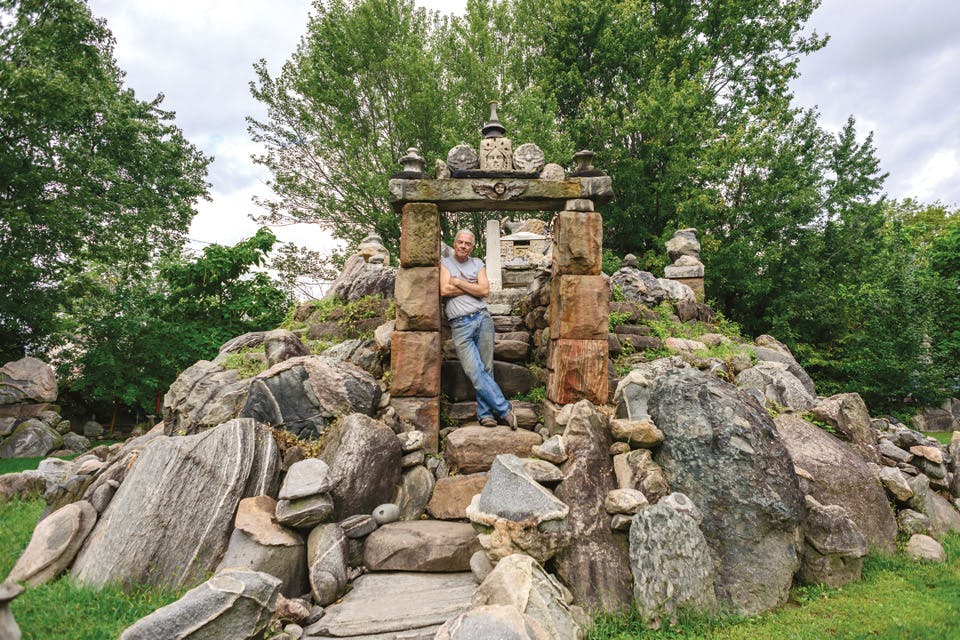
[463, 244]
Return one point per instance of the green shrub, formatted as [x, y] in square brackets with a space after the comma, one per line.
[247, 366]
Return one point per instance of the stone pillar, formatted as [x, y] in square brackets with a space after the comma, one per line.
[493, 255]
[415, 345]
[684, 249]
[579, 308]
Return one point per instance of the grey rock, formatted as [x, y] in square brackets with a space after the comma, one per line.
[75, 442]
[23, 485]
[625, 501]
[55, 470]
[280, 553]
[637, 470]
[921, 547]
[640, 433]
[54, 544]
[892, 451]
[519, 581]
[362, 353]
[677, 291]
[683, 505]
[638, 286]
[834, 549]
[364, 457]
[9, 630]
[171, 519]
[414, 492]
[841, 477]
[358, 526]
[411, 441]
[27, 380]
[232, 604]
[944, 518]
[683, 243]
[847, 413]
[552, 450]
[766, 354]
[303, 395]
[386, 513]
[102, 496]
[621, 522]
[510, 493]
[30, 439]
[492, 621]
[911, 522]
[388, 604]
[895, 483]
[412, 459]
[633, 391]
[306, 478]
[421, 545]
[359, 279]
[777, 384]
[671, 565]
[327, 563]
[203, 396]
[722, 451]
[472, 449]
[480, 566]
[542, 471]
[595, 565]
[305, 513]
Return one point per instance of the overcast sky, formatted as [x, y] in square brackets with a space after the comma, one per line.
[893, 64]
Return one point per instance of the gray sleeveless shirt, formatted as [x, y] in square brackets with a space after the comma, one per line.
[469, 271]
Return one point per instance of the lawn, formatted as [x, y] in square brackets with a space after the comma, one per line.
[943, 437]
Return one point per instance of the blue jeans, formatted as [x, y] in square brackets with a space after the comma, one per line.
[473, 339]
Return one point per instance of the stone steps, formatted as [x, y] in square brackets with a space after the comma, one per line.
[395, 606]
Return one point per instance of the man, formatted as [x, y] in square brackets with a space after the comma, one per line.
[464, 285]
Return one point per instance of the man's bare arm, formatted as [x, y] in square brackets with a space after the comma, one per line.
[451, 286]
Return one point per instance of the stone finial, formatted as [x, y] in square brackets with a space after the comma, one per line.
[493, 128]
[463, 157]
[412, 162]
[528, 157]
[630, 261]
[583, 161]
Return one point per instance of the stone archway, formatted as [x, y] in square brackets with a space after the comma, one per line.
[579, 309]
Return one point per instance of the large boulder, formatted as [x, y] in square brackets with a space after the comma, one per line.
[233, 604]
[278, 345]
[362, 353]
[203, 396]
[364, 459]
[840, 477]
[944, 518]
[596, 564]
[54, 544]
[171, 519]
[671, 565]
[359, 279]
[473, 449]
[492, 621]
[633, 391]
[777, 384]
[30, 439]
[721, 449]
[327, 560]
[27, 380]
[767, 354]
[452, 494]
[519, 581]
[304, 395]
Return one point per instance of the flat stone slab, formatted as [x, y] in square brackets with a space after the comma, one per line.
[500, 194]
[396, 605]
[421, 545]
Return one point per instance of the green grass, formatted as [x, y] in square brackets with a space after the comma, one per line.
[943, 437]
[897, 598]
[60, 609]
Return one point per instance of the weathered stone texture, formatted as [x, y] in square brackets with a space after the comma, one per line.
[577, 371]
[722, 451]
[472, 449]
[578, 243]
[452, 494]
[418, 299]
[415, 364]
[579, 307]
[419, 235]
[424, 414]
[421, 545]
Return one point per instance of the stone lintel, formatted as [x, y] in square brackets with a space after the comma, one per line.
[500, 194]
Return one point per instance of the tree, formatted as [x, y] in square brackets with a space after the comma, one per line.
[132, 333]
[88, 173]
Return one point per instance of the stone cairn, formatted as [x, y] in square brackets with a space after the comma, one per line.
[684, 249]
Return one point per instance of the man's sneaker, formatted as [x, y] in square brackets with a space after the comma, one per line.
[488, 422]
[510, 420]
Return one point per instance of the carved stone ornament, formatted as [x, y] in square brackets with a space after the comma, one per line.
[499, 190]
[528, 157]
[463, 158]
